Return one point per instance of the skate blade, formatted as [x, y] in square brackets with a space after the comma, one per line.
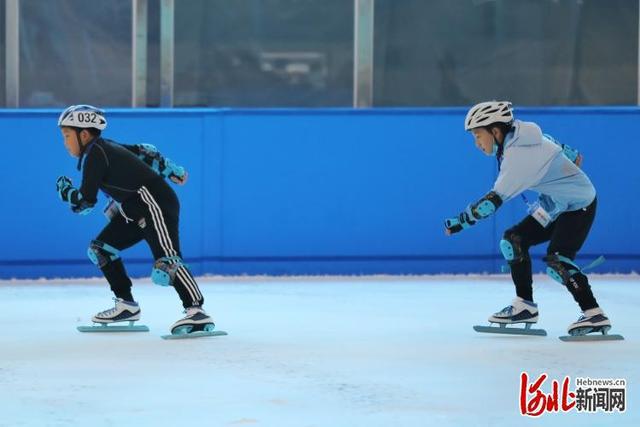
[590, 337]
[188, 329]
[591, 334]
[106, 327]
[197, 334]
[527, 330]
[590, 329]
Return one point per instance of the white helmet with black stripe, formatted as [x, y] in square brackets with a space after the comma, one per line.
[488, 113]
[83, 117]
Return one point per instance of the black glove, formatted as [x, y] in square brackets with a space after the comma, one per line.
[459, 223]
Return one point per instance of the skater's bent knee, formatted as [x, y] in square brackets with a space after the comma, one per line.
[563, 270]
[165, 269]
[511, 248]
[101, 253]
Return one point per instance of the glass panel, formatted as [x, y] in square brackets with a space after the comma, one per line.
[532, 52]
[264, 53]
[75, 51]
[153, 53]
[3, 96]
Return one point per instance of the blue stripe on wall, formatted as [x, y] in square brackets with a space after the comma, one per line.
[283, 191]
[337, 258]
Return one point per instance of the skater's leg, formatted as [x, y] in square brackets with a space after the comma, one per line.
[104, 252]
[161, 233]
[572, 229]
[515, 245]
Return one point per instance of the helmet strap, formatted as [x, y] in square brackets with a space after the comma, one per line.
[83, 148]
[495, 147]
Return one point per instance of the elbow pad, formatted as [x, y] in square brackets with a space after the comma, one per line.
[151, 156]
[486, 206]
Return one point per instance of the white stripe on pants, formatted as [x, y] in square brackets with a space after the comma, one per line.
[167, 246]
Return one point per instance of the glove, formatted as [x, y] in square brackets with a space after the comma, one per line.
[82, 209]
[172, 171]
[63, 186]
[459, 223]
[66, 193]
[571, 153]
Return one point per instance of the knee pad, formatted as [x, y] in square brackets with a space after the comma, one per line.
[101, 253]
[562, 269]
[511, 248]
[164, 270]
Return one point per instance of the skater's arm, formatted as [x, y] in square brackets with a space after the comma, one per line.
[481, 209]
[83, 200]
[147, 153]
[163, 166]
[68, 193]
[94, 169]
[568, 151]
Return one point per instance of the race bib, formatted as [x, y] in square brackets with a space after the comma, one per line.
[539, 214]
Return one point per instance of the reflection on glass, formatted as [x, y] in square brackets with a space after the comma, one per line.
[153, 54]
[532, 52]
[75, 51]
[264, 53]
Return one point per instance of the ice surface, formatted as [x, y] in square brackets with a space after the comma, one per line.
[377, 351]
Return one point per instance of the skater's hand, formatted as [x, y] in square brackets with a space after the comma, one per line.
[572, 154]
[457, 224]
[175, 173]
[179, 180]
[452, 226]
[63, 185]
[162, 165]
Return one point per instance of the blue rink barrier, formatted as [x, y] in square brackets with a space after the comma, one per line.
[326, 191]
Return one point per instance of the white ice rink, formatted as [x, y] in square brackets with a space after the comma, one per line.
[376, 351]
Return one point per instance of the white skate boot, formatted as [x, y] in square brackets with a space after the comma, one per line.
[586, 327]
[196, 319]
[520, 311]
[592, 320]
[124, 311]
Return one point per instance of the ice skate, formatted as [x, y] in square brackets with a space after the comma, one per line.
[586, 328]
[124, 311]
[520, 311]
[196, 323]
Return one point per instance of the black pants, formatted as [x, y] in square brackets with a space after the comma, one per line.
[152, 214]
[566, 236]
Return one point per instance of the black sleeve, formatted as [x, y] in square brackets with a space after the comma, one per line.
[95, 167]
[135, 149]
[148, 154]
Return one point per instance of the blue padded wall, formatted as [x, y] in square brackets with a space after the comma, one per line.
[335, 191]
